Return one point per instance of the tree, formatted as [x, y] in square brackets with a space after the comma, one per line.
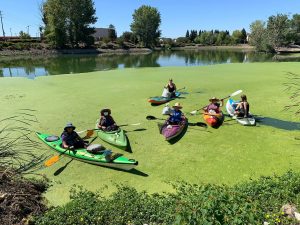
[146, 21]
[112, 34]
[24, 35]
[244, 36]
[295, 26]
[193, 35]
[187, 34]
[237, 37]
[258, 35]
[67, 22]
[278, 30]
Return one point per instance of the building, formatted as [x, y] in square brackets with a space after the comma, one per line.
[101, 33]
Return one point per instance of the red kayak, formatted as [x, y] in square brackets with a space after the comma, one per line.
[172, 131]
[214, 120]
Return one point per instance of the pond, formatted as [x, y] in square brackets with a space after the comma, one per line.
[32, 66]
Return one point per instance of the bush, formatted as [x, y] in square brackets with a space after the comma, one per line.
[247, 203]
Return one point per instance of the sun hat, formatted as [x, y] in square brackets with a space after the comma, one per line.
[69, 124]
[177, 105]
[105, 110]
[214, 98]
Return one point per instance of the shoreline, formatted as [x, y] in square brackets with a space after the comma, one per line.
[53, 52]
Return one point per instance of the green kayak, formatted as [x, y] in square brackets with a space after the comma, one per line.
[120, 162]
[117, 137]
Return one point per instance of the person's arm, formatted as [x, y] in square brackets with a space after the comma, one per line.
[64, 143]
[101, 123]
[222, 102]
[175, 87]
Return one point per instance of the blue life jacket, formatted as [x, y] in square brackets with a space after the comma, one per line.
[176, 116]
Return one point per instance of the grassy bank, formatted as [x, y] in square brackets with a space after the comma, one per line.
[228, 155]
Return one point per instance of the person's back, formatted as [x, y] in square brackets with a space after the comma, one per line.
[242, 109]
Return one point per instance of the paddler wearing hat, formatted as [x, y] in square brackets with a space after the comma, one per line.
[214, 106]
[70, 139]
[106, 122]
[177, 115]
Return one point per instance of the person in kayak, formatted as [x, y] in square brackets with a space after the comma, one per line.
[176, 115]
[106, 122]
[171, 87]
[70, 139]
[214, 107]
[242, 109]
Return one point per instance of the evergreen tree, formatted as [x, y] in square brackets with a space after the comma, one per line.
[244, 36]
[112, 34]
[187, 34]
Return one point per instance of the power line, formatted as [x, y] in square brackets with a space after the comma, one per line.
[2, 24]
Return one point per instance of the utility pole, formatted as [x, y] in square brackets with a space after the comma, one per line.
[2, 24]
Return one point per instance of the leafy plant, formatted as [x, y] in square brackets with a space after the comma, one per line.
[246, 203]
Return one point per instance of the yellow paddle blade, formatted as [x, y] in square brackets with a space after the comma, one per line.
[89, 133]
[51, 161]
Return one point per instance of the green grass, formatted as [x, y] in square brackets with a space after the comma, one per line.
[228, 155]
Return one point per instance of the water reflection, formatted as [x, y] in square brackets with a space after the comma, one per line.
[40, 66]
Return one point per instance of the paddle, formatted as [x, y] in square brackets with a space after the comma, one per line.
[90, 132]
[231, 95]
[200, 124]
[54, 159]
[180, 89]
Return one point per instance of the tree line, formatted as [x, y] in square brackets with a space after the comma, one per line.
[68, 23]
[215, 37]
[278, 31]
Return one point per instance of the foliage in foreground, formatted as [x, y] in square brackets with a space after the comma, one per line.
[20, 198]
[247, 203]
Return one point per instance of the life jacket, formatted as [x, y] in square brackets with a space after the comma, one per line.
[176, 116]
[70, 138]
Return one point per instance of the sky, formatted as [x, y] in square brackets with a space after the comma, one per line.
[176, 16]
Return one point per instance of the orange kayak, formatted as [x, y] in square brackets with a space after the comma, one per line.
[214, 120]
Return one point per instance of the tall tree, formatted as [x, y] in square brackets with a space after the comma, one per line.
[278, 30]
[112, 34]
[146, 21]
[193, 35]
[67, 22]
[236, 37]
[258, 35]
[187, 34]
[244, 36]
[295, 25]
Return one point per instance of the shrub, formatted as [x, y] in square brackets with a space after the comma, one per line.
[247, 203]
